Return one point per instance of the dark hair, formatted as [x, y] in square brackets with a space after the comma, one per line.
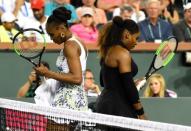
[128, 24]
[126, 7]
[88, 70]
[113, 33]
[59, 15]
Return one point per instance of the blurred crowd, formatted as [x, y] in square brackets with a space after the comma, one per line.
[157, 19]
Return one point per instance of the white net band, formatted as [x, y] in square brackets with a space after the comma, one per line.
[89, 117]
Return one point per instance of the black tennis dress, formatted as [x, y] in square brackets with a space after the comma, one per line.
[113, 99]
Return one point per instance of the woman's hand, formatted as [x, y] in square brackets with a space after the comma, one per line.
[136, 5]
[165, 51]
[96, 88]
[137, 81]
[41, 70]
[142, 117]
[166, 13]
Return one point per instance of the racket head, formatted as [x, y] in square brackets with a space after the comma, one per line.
[165, 52]
[29, 43]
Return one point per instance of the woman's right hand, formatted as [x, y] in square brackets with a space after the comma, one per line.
[137, 81]
[142, 117]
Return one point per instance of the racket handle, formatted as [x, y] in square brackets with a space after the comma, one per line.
[141, 84]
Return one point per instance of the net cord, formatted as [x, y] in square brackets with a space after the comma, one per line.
[89, 117]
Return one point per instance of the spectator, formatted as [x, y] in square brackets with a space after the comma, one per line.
[28, 89]
[91, 88]
[7, 28]
[185, 1]
[99, 14]
[169, 11]
[86, 29]
[179, 4]
[51, 5]
[126, 11]
[11, 5]
[156, 87]
[137, 14]
[182, 30]
[39, 19]
[154, 29]
[20, 8]
[108, 6]
[76, 3]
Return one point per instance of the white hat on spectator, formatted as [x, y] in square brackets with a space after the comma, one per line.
[87, 11]
[8, 17]
[187, 6]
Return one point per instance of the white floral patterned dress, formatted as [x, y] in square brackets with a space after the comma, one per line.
[67, 95]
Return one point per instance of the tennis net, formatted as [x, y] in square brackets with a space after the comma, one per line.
[23, 116]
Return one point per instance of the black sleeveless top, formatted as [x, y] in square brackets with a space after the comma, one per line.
[113, 98]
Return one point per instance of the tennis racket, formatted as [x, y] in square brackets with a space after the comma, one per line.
[163, 55]
[30, 44]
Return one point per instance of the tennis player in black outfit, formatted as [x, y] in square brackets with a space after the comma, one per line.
[119, 96]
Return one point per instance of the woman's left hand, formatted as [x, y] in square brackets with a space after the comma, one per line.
[166, 13]
[41, 70]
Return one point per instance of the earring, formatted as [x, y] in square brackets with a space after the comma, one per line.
[62, 35]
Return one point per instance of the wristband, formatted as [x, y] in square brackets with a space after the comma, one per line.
[140, 111]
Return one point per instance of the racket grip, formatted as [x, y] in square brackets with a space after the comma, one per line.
[141, 84]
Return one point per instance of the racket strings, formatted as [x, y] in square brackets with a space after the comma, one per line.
[165, 53]
[29, 44]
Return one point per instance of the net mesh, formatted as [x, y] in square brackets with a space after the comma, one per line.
[23, 116]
